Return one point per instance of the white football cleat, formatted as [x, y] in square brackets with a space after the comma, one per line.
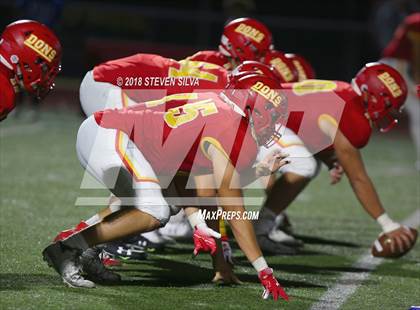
[178, 227]
[280, 236]
[65, 261]
[71, 274]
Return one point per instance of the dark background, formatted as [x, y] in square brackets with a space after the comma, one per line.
[336, 36]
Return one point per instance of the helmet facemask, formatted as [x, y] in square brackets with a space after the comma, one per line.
[263, 123]
[42, 85]
[379, 108]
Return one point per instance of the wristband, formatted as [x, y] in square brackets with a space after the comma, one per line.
[195, 219]
[386, 223]
[260, 264]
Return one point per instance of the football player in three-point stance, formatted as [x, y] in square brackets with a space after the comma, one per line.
[30, 56]
[211, 148]
[334, 137]
[126, 81]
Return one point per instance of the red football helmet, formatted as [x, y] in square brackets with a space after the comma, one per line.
[304, 68]
[383, 91]
[261, 102]
[34, 52]
[245, 39]
[252, 67]
[283, 65]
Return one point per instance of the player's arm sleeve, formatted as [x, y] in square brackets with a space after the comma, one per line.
[351, 160]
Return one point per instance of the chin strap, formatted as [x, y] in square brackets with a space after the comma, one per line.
[252, 126]
[392, 124]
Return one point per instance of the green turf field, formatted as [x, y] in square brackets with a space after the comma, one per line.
[39, 182]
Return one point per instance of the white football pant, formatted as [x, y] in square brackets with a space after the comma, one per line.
[115, 161]
[301, 160]
[97, 96]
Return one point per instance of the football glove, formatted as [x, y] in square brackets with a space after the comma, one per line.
[271, 286]
[204, 239]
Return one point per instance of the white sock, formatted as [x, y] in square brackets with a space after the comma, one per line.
[387, 223]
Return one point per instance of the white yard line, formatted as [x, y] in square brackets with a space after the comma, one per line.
[349, 282]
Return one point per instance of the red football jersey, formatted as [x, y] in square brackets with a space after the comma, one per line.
[213, 57]
[313, 101]
[177, 139]
[7, 93]
[145, 77]
[401, 45]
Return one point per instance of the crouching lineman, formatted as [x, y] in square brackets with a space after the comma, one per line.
[376, 92]
[30, 56]
[123, 149]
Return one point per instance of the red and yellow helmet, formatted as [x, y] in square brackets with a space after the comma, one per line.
[245, 39]
[262, 103]
[251, 67]
[383, 91]
[283, 65]
[34, 52]
[304, 69]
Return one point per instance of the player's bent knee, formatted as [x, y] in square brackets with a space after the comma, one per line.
[85, 135]
[160, 212]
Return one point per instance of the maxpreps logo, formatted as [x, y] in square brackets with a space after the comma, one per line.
[250, 32]
[268, 93]
[390, 83]
[41, 47]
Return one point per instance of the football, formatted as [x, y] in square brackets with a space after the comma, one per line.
[381, 247]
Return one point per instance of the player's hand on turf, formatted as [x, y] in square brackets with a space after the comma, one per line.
[402, 239]
[336, 173]
[271, 285]
[204, 239]
[271, 163]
